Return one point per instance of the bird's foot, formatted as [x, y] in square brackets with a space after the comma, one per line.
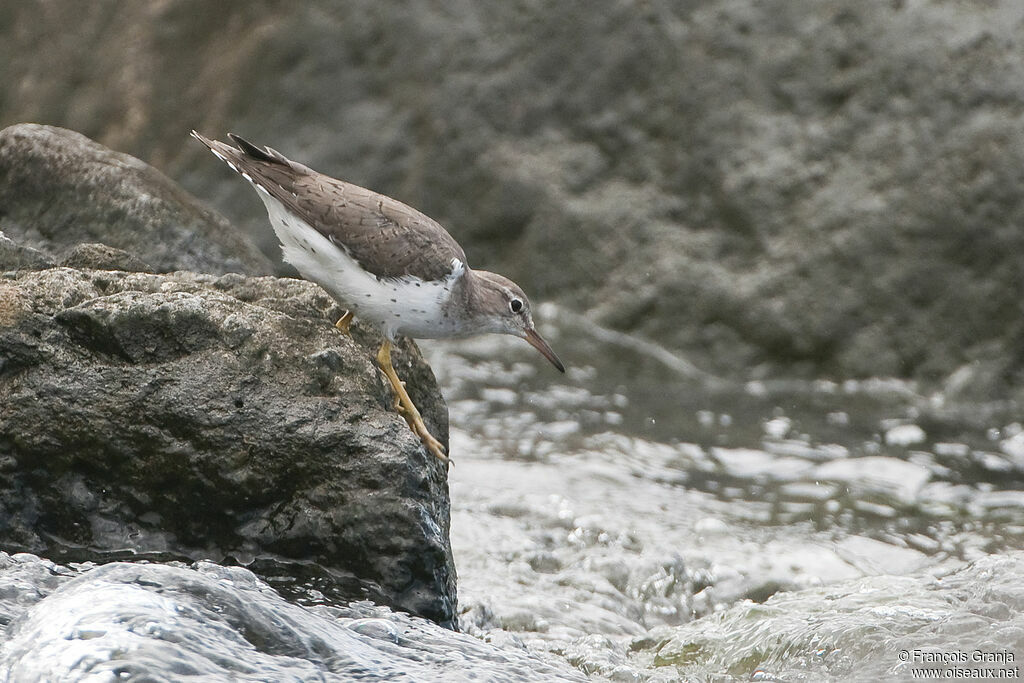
[344, 323]
[419, 428]
[434, 446]
[404, 406]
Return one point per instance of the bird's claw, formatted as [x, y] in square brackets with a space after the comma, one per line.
[434, 446]
[344, 323]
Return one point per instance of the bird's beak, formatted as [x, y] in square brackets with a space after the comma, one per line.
[537, 342]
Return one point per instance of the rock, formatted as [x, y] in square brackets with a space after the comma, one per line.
[58, 189]
[14, 256]
[216, 417]
[102, 257]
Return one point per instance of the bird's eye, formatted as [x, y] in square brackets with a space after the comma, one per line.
[516, 305]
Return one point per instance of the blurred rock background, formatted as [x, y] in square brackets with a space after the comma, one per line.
[785, 186]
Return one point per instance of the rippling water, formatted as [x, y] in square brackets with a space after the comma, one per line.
[645, 521]
[153, 622]
[635, 519]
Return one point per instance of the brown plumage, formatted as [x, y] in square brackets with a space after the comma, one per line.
[386, 237]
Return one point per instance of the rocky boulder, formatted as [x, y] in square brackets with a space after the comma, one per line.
[194, 415]
[216, 417]
[59, 189]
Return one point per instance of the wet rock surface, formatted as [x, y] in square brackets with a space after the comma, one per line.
[218, 418]
[59, 189]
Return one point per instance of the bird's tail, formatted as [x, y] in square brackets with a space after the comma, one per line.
[245, 149]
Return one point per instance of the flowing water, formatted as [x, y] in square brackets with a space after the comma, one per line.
[643, 520]
[635, 519]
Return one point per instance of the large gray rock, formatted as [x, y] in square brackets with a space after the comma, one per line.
[59, 189]
[219, 417]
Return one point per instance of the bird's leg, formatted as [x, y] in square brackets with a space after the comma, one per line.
[405, 405]
[344, 322]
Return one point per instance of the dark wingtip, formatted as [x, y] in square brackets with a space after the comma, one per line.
[251, 149]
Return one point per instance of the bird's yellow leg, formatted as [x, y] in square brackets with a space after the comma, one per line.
[405, 405]
[344, 322]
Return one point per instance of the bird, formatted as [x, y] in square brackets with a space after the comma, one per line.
[381, 260]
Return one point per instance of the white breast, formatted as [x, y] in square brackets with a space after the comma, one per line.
[408, 305]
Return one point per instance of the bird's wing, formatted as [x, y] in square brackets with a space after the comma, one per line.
[386, 237]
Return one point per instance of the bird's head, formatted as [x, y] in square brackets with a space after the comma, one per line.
[504, 309]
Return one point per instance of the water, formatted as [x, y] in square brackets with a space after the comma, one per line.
[856, 630]
[613, 516]
[636, 519]
[158, 622]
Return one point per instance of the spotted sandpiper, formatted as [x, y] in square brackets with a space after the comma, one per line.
[382, 260]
